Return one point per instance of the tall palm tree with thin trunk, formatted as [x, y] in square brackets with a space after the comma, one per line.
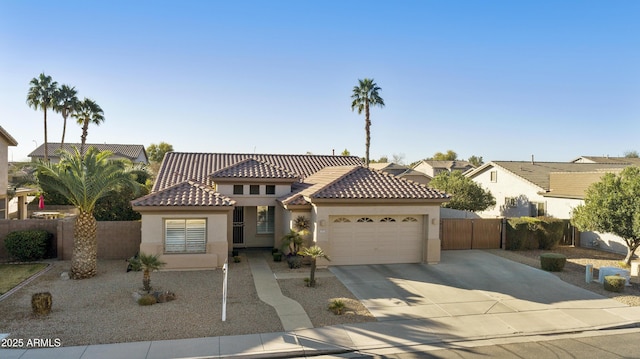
[66, 103]
[88, 112]
[83, 179]
[365, 95]
[41, 96]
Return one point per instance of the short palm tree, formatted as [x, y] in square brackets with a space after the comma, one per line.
[88, 112]
[83, 179]
[149, 263]
[314, 252]
[41, 96]
[66, 103]
[365, 95]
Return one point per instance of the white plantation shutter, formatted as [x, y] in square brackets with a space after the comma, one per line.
[196, 235]
[185, 235]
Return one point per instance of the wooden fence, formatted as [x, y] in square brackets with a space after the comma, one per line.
[116, 240]
[475, 233]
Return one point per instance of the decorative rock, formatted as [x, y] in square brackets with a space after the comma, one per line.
[136, 296]
[64, 276]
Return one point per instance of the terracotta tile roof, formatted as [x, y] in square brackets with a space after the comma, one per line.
[538, 172]
[357, 182]
[131, 152]
[10, 140]
[251, 168]
[187, 193]
[181, 166]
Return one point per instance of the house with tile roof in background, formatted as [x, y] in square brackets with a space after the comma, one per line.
[431, 167]
[134, 153]
[531, 188]
[203, 205]
[402, 171]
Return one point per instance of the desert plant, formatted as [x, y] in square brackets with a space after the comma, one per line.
[147, 299]
[614, 283]
[314, 253]
[292, 242]
[294, 261]
[337, 306]
[149, 263]
[552, 262]
[41, 303]
[277, 257]
[29, 245]
[236, 259]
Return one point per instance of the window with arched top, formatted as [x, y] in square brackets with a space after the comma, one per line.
[365, 219]
[409, 219]
[341, 220]
[388, 219]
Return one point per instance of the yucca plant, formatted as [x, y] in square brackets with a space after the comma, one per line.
[149, 263]
[314, 252]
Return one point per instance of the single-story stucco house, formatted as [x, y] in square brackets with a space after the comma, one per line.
[203, 205]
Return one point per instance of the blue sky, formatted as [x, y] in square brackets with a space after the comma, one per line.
[499, 79]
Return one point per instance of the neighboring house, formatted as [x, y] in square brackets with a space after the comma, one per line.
[522, 188]
[402, 171]
[204, 204]
[625, 161]
[5, 141]
[134, 153]
[432, 168]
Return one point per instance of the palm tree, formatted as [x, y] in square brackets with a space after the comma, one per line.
[364, 95]
[149, 263]
[314, 252]
[41, 96]
[66, 103]
[83, 179]
[88, 112]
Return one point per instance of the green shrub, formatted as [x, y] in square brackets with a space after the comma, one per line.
[552, 262]
[526, 233]
[29, 245]
[337, 306]
[614, 283]
[147, 299]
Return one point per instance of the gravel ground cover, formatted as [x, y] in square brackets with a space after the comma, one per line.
[102, 309]
[575, 269]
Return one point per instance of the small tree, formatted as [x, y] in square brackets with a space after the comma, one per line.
[292, 242]
[465, 193]
[148, 263]
[613, 206]
[449, 156]
[156, 152]
[314, 253]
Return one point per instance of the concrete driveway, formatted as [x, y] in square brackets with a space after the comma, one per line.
[476, 289]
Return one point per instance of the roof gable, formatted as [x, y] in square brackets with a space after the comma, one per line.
[188, 193]
[360, 183]
[7, 137]
[253, 169]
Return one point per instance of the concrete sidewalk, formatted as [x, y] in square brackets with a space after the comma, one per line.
[399, 329]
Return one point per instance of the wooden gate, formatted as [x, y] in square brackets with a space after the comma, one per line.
[467, 233]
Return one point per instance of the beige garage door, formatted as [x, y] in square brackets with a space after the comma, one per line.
[375, 239]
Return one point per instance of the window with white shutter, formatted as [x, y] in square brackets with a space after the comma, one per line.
[185, 235]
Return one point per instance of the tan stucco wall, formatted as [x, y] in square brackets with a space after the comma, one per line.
[430, 215]
[152, 230]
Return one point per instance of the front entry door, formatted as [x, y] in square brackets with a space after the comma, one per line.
[238, 227]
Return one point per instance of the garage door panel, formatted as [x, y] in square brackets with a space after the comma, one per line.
[376, 242]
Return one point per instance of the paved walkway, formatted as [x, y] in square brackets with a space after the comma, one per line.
[291, 313]
[462, 327]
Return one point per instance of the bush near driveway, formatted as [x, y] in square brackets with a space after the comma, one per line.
[526, 233]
